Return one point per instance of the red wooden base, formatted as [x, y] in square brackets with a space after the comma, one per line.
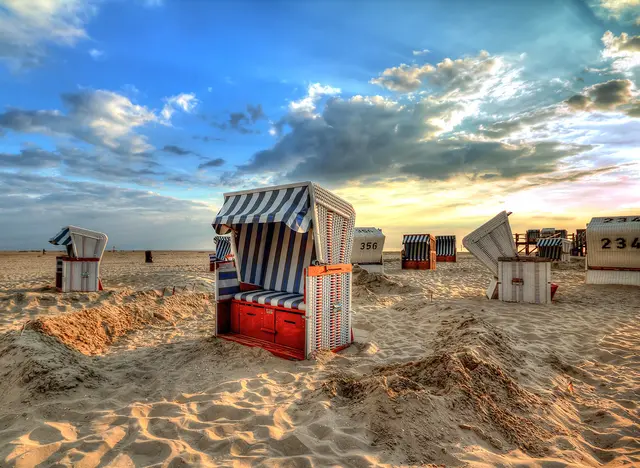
[418, 265]
[275, 349]
[446, 258]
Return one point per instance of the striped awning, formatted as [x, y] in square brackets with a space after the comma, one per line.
[415, 238]
[550, 242]
[288, 205]
[446, 245]
[222, 246]
[62, 238]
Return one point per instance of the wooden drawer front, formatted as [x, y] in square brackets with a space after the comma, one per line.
[290, 330]
[251, 323]
[235, 317]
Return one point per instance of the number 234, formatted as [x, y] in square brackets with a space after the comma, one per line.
[621, 243]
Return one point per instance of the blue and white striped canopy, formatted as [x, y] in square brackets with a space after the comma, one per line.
[62, 238]
[550, 242]
[446, 245]
[288, 205]
[415, 238]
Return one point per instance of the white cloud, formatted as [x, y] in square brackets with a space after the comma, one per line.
[421, 52]
[27, 26]
[315, 92]
[96, 54]
[624, 50]
[209, 89]
[98, 117]
[183, 101]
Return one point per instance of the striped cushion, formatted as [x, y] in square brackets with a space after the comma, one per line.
[273, 256]
[273, 298]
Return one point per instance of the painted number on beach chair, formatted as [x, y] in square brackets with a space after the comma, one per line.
[368, 245]
[621, 243]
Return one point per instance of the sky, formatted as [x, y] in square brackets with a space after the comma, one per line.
[133, 117]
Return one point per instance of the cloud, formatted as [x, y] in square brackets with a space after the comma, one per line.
[421, 52]
[29, 26]
[211, 163]
[238, 121]
[453, 78]
[176, 150]
[315, 92]
[185, 102]
[375, 138]
[207, 139]
[131, 218]
[607, 96]
[30, 158]
[623, 50]
[98, 117]
[255, 112]
[622, 10]
[96, 54]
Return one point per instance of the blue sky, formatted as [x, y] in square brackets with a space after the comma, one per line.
[133, 117]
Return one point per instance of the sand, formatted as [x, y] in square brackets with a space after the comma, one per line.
[438, 376]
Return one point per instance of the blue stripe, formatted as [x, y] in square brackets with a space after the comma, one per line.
[276, 260]
[227, 275]
[258, 199]
[256, 254]
[288, 260]
[247, 229]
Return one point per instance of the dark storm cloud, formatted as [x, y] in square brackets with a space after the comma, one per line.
[361, 138]
[240, 121]
[207, 139]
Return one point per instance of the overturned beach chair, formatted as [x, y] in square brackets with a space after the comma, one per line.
[79, 269]
[222, 251]
[613, 255]
[446, 249]
[288, 290]
[367, 249]
[418, 252]
[515, 279]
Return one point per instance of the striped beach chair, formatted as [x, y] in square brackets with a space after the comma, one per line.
[79, 269]
[419, 252]
[291, 289]
[221, 251]
[446, 249]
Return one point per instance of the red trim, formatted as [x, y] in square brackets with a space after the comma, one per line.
[246, 287]
[329, 269]
[418, 265]
[446, 258]
[613, 268]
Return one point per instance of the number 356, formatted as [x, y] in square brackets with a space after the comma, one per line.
[620, 243]
[368, 245]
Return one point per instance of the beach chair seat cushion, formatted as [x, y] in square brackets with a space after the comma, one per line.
[273, 298]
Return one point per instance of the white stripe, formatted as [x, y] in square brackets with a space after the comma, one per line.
[295, 256]
[264, 216]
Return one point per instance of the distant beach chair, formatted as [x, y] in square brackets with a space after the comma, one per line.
[368, 244]
[554, 248]
[79, 270]
[613, 255]
[148, 256]
[446, 250]
[221, 251]
[418, 252]
[288, 290]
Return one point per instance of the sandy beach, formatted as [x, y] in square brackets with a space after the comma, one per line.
[438, 376]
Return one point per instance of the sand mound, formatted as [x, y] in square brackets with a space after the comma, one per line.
[377, 283]
[92, 331]
[462, 391]
[32, 364]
